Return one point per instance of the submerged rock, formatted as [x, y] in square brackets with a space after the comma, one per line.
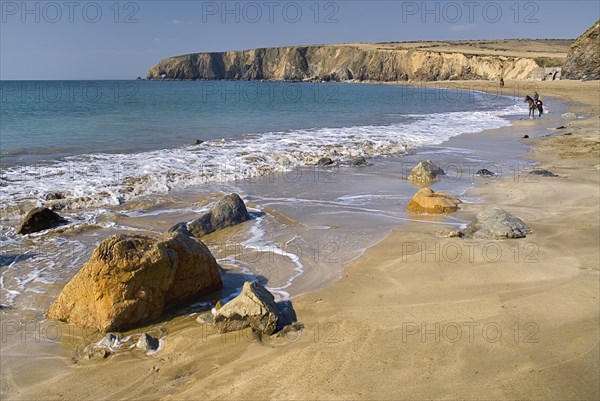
[494, 223]
[255, 308]
[227, 212]
[39, 219]
[132, 279]
[428, 201]
[425, 172]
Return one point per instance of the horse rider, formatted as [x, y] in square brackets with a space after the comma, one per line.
[536, 97]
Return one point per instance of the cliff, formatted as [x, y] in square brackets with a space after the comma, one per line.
[583, 60]
[386, 62]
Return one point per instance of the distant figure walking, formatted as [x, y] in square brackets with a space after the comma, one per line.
[502, 82]
[534, 104]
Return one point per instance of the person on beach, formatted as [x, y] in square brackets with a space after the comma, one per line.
[536, 97]
[501, 82]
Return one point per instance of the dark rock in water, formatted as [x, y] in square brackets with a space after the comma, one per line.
[180, 228]
[542, 173]
[39, 219]
[227, 212]
[494, 223]
[561, 127]
[425, 172]
[255, 308]
[484, 173]
[525, 136]
[139, 78]
[568, 134]
[325, 161]
[198, 142]
[359, 162]
[54, 196]
[147, 343]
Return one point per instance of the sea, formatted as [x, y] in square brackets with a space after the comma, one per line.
[139, 156]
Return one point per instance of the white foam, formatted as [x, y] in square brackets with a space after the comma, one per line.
[95, 180]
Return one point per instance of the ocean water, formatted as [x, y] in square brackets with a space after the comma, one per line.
[108, 142]
[122, 157]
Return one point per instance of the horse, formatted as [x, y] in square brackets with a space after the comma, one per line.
[534, 105]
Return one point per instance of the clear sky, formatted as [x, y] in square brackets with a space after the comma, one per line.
[72, 39]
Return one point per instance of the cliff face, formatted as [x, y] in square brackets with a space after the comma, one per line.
[583, 59]
[341, 62]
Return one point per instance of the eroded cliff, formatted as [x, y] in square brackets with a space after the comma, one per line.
[360, 62]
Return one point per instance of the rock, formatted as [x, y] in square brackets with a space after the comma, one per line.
[525, 136]
[583, 59]
[110, 340]
[448, 234]
[132, 279]
[425, 172]
[484, 173]
[255, 308]
[54, 196]
[325, 161]
[290, 328]
[39, 219]
[147, 343]
[561, 127]
[494, 223]
[542, 173]
[198, 142]
[180, 228]
[428, 201]
[359, 162]
[227, 212]
[205, 318]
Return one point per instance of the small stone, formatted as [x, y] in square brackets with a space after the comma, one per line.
[290, 328]
[425, 172]
[542, 173]
[494, 223]
[448, 234]
[525, 136]
[484, 173]
[428, 201]
[325, 161]
[147, 343]
[198, 142]
[205, 318]
[360, 162]
[255, 308]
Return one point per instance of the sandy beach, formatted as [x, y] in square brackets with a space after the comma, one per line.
[416, 316]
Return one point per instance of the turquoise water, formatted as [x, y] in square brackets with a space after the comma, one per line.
[112, 141]
[44, 120]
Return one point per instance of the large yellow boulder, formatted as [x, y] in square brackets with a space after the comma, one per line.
[428, 201]
[132, 279]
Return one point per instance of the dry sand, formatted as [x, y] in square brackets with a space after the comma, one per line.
[488, 320]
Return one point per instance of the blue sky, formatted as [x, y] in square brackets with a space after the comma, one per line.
[72, 39]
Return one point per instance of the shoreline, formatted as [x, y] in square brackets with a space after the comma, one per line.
[359, 340]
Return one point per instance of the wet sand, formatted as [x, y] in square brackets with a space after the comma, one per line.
[416, 316]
